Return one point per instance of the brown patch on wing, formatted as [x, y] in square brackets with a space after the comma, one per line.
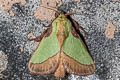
[46, 67]
[74, 67]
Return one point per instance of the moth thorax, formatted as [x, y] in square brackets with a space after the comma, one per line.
[61, 35]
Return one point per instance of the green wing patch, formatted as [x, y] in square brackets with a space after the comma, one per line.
[47, 48]
[75, 48]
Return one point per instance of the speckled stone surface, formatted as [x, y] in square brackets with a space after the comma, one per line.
[105, 52]
[3, 63]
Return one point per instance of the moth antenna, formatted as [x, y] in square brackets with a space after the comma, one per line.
[51, 9]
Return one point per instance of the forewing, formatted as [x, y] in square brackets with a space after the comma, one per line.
[77, 60]
[44, 59]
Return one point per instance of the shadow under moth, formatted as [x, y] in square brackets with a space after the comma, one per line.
[61, 50]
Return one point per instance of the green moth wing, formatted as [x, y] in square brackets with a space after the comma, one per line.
[44, 59]
[77, 59]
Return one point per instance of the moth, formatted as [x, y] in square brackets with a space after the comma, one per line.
[61, 50]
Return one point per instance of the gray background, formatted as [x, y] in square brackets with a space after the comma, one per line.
[105, 52]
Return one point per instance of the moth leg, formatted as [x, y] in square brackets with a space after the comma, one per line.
[45, 33]
[39, 38]
[78, 27]
[81, 28]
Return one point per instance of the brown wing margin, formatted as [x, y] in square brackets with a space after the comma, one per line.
[73, 67]
[46, 67]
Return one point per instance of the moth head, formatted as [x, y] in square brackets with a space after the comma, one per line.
[62, 15]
